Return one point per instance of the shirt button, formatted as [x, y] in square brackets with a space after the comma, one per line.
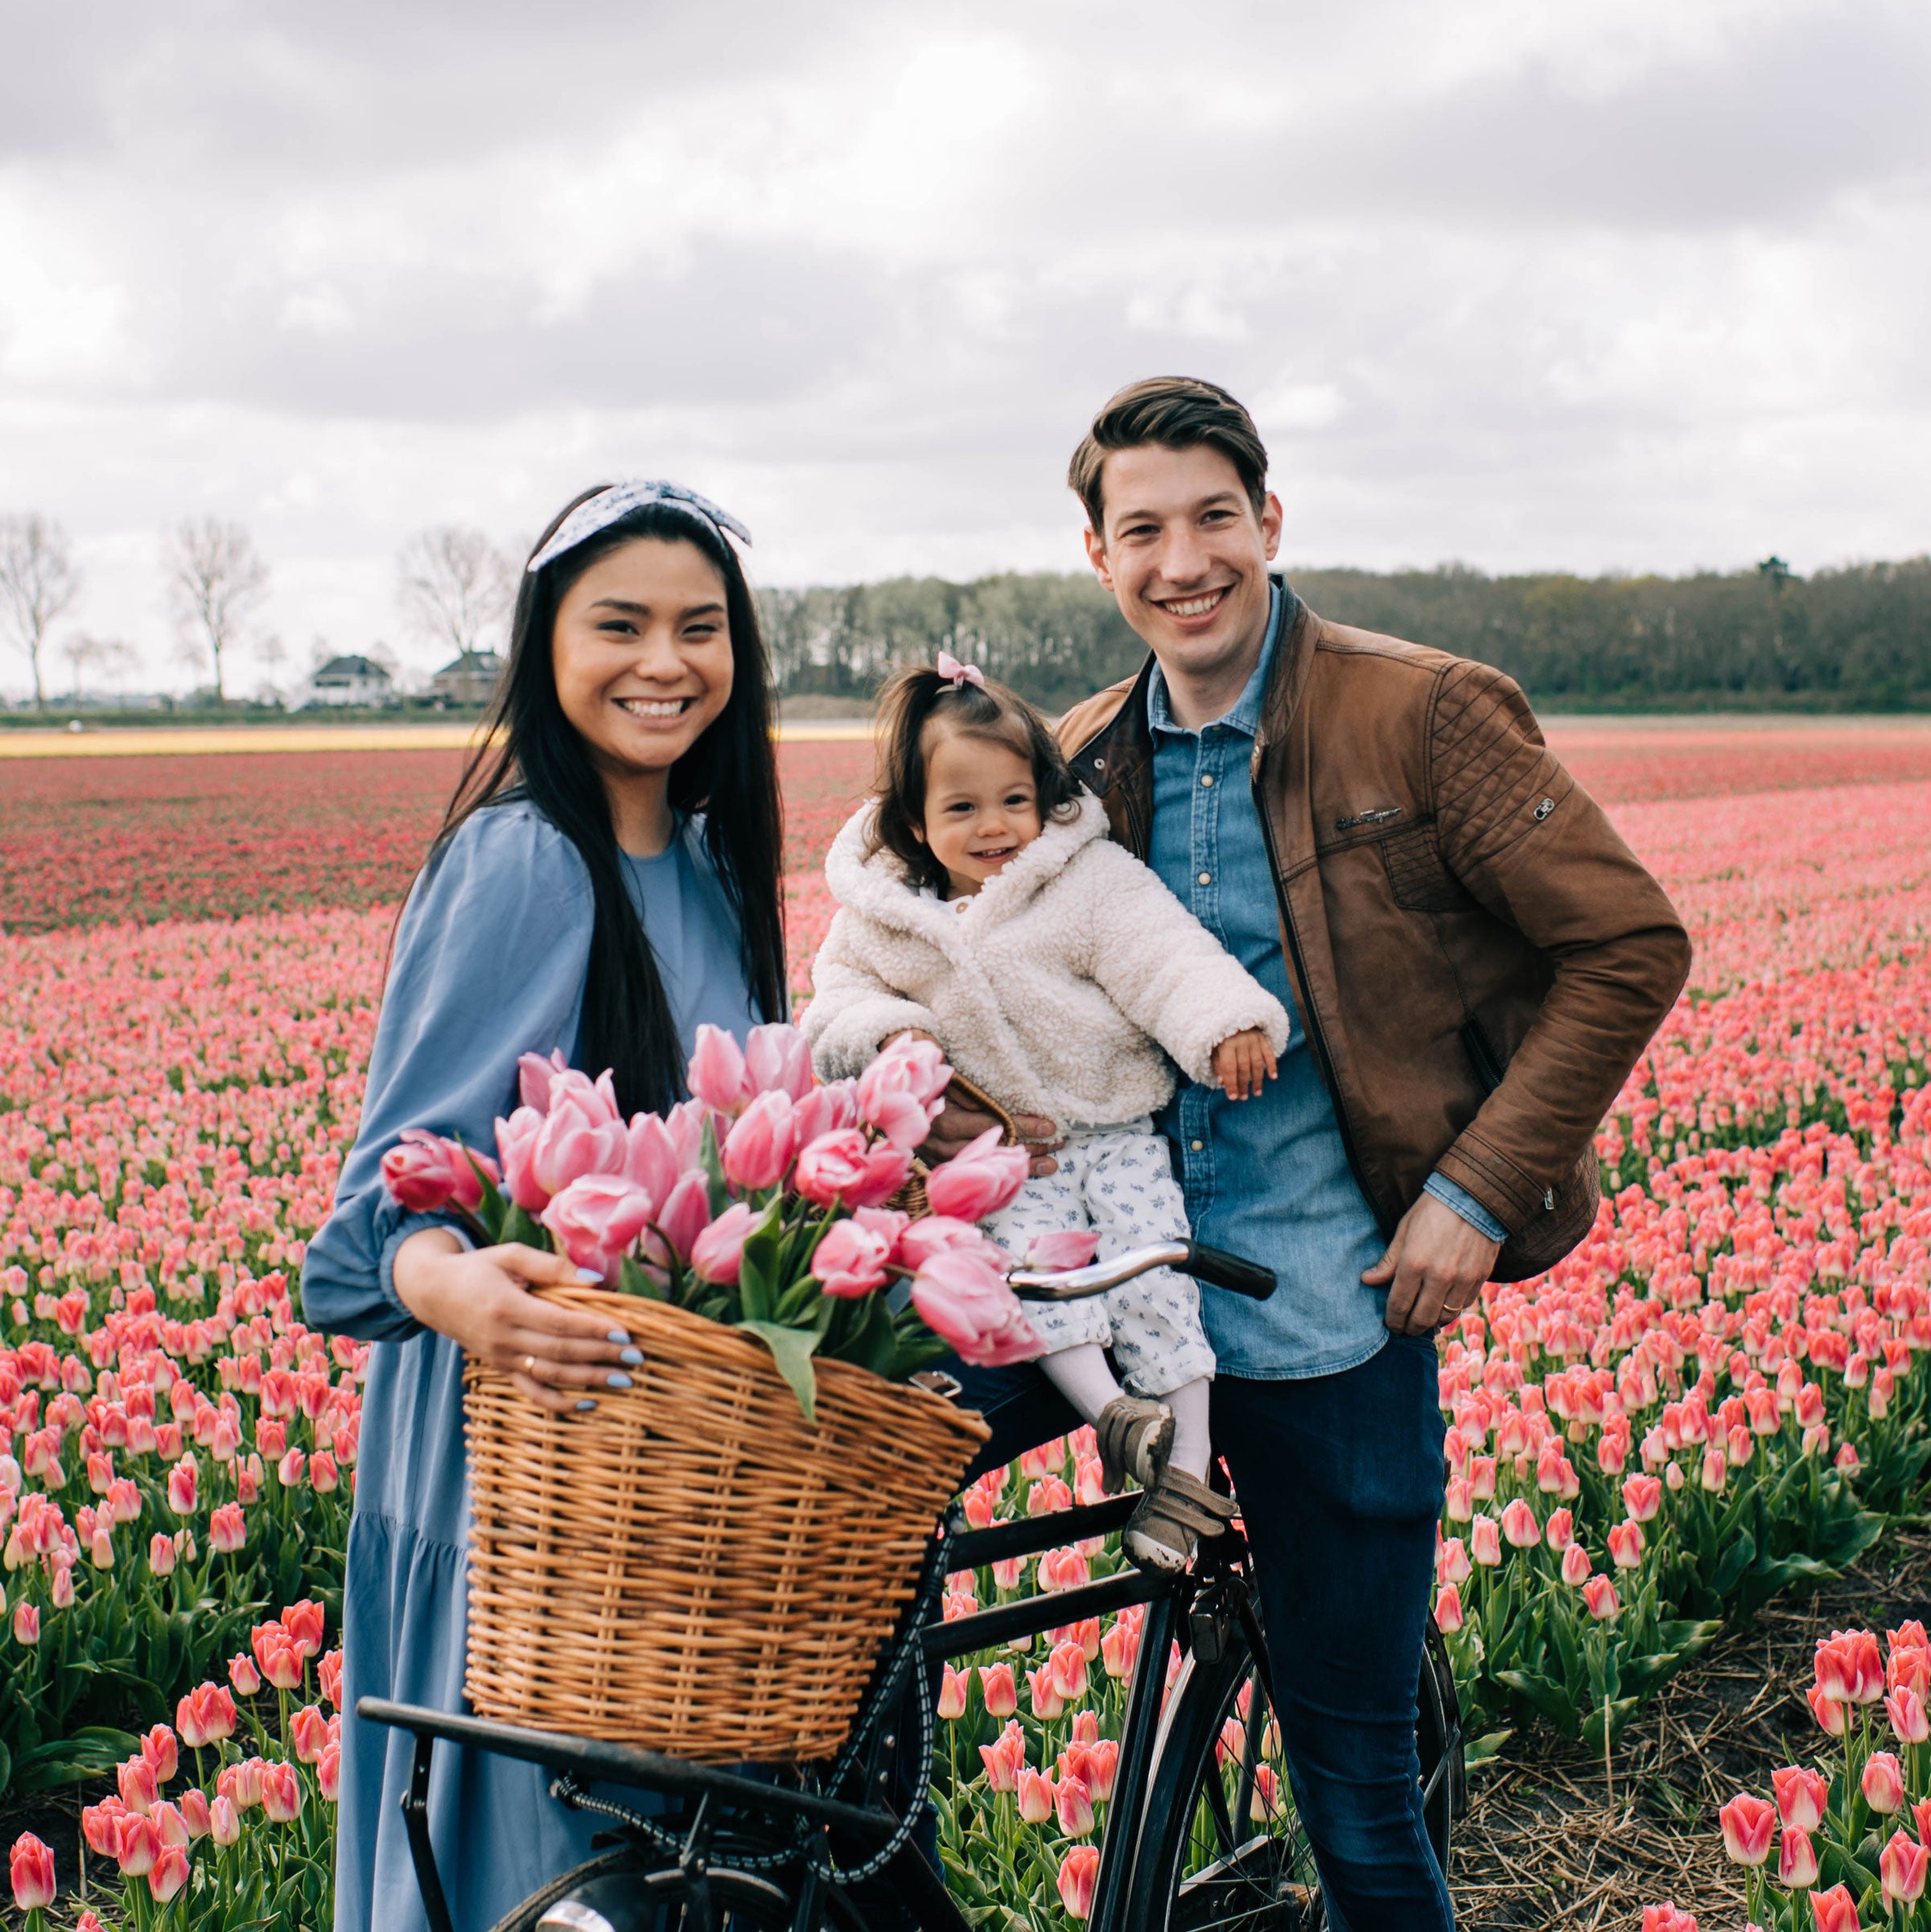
[1206, 879]
[1206, 778]
[1198, 1146]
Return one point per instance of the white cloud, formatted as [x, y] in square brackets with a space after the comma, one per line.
[1631, 283]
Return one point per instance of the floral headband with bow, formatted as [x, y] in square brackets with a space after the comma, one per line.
[960, 675]
[599, 511]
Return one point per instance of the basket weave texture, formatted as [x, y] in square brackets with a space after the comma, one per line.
[693, 1568]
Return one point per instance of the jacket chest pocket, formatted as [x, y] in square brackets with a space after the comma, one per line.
[1416, 875]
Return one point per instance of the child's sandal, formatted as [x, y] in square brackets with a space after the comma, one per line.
[1179, 1508]
[1135, 1438]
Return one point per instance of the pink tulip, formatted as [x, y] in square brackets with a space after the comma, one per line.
[169, 1826]
[224, 1822]
[1576, 1566]
[1074, 1801]
[244, 1676]
[1520, 1527]
[1626, 1545]
[1906, 1710]
[686, 1214]
[1599, 1595]
[169, 1872]
[952, 1692]
[322, 1472]
[182, 1481]
[717, 1253]
[650, 1161]
[822, 1110]
[1485, 1540]
[899, 1094]
[1882, 1782]
[535, 1076]
[940, 1234]
[1559, 1531]
[1004, 1759]
[136, 1845]
[1901, 1867]
[281, 1792]
[1833, 1717]
[194, 1814]
[1067, 1664]
[227, 1530]
[280, 1660]
[1459, 1503]
[596, 1220]
[305, 1623]
[1035, 1797]
[1747, 1822]
[1796, 1858]
[716, 1075]
[997, 1690]
[1079, 1871]
[979, 1180]
[1715, 1471]
[161, 1753]
[241, 1783]
[140, 1787]
[968, 1304]
[426, 1173]
[1047, 1702]
[1451, 1564]
[1120, 1649]
[328, 1772]
[1642, 1498]
[517, 1139]
[100, 1825]
[31, 1867]
[1835, 1910]
[761, 1144]
[777, 1058]
[308, 1732]
[849, 1261]
[328, 1674]
[1800, 1797]
[1448, 1609]
[572, 1144]
[1070, 1248]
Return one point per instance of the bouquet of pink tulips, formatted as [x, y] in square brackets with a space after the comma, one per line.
[759, 1202]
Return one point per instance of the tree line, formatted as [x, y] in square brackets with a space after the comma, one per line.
[1854, 638]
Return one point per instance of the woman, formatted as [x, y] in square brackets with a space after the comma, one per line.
[607, 879]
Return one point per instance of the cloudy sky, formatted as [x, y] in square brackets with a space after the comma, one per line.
[1605, 285]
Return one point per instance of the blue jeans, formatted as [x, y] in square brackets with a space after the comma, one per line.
[1339, 1479]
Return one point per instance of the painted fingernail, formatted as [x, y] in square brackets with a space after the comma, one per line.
[585, 1406]
[634, 1357]
[590, 1275]
[615, 1380]
[620, 1338]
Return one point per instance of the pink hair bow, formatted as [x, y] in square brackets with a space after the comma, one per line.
[960, 675]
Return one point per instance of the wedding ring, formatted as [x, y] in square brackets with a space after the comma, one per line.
[530, 1366]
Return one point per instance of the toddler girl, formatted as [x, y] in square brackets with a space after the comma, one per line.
[982, 904]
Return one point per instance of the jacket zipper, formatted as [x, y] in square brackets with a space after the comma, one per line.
[1316, 1039]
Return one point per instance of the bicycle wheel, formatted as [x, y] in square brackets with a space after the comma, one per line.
[621, 1892]
[1223, 1848]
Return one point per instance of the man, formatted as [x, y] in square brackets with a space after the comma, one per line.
[1475, 960]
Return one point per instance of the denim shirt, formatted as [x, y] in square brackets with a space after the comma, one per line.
[1267, 1178]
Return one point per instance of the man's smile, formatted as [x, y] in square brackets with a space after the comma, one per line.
[1200, 604]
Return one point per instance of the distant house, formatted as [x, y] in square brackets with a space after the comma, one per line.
[350, 680]
[469, 679]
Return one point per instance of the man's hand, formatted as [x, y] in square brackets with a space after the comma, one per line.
[1434, 1267]
[1242, 1061]
[960, 1122]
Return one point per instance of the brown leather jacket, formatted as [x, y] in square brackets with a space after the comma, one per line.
[1477, 957]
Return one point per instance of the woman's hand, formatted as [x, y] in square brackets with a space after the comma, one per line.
[481, 1299]
[1241, 1061]
[960, 1122]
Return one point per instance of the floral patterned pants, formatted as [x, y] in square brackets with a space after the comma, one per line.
[1119, 1182]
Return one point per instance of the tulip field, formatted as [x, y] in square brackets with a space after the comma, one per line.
[1724, 1393]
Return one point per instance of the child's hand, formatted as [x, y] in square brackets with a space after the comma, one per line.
[1240, 1062]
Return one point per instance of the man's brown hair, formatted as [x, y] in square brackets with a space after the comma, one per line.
[1178, 412]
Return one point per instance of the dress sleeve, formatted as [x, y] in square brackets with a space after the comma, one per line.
[489, 962]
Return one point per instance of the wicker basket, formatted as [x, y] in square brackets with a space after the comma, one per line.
[693, 1568]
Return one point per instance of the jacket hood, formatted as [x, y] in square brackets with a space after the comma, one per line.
[878, 888]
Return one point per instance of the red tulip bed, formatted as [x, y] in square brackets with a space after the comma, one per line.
[1721, 1394]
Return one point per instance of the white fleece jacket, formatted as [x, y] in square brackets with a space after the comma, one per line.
[1055, 988]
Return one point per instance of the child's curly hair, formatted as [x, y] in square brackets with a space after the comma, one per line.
[918, 696]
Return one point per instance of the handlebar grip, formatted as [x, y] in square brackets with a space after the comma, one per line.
[1220, 1270]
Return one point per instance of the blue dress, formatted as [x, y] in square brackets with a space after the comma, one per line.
[489, 962]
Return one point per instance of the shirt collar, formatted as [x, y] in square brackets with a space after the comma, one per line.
[1246, 716]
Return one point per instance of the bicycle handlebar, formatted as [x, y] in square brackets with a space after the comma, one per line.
[1213, 1266]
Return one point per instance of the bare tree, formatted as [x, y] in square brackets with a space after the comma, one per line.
[454, 585]
[38, 582]
[215, 582]
[110, 656]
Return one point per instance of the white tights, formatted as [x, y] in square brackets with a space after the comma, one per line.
[1082, 1374]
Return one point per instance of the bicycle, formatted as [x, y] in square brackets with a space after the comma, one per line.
[1201, 1830]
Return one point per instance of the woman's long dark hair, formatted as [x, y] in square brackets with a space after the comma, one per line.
[531, 751]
